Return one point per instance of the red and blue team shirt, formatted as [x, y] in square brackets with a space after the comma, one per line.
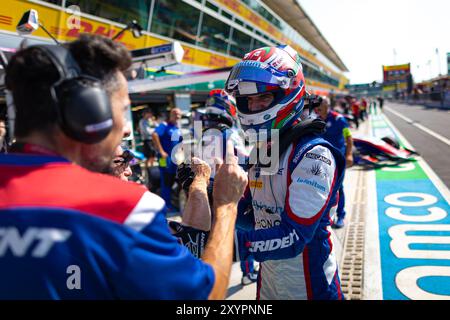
[68, 233]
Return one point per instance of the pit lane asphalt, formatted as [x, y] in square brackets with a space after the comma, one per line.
[435, 152]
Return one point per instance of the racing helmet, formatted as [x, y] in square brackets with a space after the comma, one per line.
[275, 70]
[220, 109]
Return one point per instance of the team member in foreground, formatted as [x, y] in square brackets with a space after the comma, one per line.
[69, 233]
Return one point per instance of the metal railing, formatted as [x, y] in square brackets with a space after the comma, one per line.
[436, 99]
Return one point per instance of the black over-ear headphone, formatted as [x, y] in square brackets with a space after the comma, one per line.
[83, 105]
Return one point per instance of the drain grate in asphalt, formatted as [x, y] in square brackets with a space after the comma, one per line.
[353, 256]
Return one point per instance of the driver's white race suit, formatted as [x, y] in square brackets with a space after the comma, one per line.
[291, 235]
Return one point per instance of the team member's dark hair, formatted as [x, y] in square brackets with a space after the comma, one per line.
[30, 74]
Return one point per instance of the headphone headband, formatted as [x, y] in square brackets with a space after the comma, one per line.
[62, 59]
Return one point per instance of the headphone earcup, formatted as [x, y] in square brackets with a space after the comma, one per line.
[85, 112]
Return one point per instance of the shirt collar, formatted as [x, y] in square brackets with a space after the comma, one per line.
[29, 148]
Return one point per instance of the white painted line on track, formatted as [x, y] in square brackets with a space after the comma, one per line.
[429, 172]
[421, 127]
[372, 287]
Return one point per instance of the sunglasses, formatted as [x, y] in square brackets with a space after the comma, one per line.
[124, 158]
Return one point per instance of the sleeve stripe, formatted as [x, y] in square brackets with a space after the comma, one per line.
[309, 292]
[145, 211]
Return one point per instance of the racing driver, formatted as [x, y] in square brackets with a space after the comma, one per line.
[291, 234]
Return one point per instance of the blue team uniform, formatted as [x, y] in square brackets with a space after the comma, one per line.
[336, 124]
[169, 136]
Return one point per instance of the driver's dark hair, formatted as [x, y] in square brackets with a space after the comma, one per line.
[30, 74]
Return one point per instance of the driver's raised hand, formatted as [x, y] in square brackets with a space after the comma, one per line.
[230, 181]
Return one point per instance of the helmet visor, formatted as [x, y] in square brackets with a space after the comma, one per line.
[253, 77]
[258, 103]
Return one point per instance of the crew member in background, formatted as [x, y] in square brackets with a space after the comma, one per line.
[146, 128]
[355, 111]
[380, 101]
[373, 105]
[363, 109]
[120, 165]
[166, 136]
[339, 135]
[220, 121]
